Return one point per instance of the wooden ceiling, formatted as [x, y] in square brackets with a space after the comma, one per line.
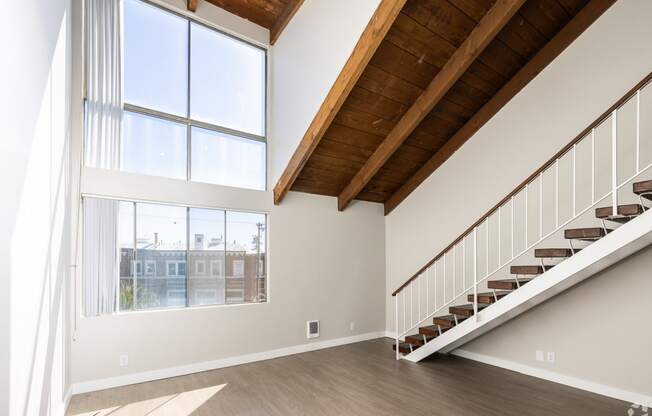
[271, 14]
[408, 99]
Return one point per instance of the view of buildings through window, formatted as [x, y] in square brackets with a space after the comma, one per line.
[189, 256]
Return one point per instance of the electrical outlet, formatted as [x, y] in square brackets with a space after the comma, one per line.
[551, 357]
[124, 360]
[351, 326]
[539, 356]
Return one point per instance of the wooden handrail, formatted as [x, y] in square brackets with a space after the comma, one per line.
[530, 178]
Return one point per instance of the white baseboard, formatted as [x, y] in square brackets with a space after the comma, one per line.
[94, 385]
[578, 383]
[390, 334]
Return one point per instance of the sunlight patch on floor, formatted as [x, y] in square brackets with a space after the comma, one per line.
[179, 404]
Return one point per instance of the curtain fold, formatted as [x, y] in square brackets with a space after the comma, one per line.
[101, 260]
[103, 121]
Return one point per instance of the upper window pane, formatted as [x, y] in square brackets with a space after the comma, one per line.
[227, 160]
[155, 58]
[153, 146]
[227, 81]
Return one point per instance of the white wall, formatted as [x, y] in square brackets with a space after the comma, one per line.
[585, 80]
[323, 264]
[34, 126]
[305, 62]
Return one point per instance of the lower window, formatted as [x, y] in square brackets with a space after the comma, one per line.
[174, 256]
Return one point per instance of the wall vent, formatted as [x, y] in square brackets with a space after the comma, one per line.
[312, 328]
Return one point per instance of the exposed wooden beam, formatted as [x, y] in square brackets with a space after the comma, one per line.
[191, 5]
[369, 41]
[547, 54]
[282, 21]
[484, 32]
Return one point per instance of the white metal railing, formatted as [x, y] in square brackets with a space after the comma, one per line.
[437, 302]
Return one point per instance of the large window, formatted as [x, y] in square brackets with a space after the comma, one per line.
[189, 256]
[194, 101]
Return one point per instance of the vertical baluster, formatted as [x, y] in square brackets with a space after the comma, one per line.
[500, 239]
[436, 298]
[428, 290]
[463, 264]
[475, 272]
[445, 278]
[411, 303]
[511, 257]
[527, 202]
[419, 298]
[556, 194]
[396, 323]
[614, 161]
[574, 179]
[592, 166]
[540, 205]
[454, 269]
[404, 309]
[638, 131]
[487, 249]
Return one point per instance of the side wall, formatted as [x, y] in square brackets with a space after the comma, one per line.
[596, 70]
[322, 264]
[34, 213]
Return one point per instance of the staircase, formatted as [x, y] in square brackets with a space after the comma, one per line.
[536, 252]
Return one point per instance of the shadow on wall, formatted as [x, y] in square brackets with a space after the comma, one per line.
[36, 208]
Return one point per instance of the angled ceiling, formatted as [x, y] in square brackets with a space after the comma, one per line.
[442, 69]
[271, 14]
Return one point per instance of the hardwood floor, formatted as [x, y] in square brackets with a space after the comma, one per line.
[357, 379]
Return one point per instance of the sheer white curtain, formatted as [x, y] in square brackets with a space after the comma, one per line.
[101, 259]
[103, 122]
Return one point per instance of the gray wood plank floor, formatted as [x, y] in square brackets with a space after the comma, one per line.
[357, 379]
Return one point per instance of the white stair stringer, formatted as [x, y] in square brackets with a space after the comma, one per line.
[624, 241]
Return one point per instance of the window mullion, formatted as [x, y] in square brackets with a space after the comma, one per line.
[188, 127]
[187, 256]
[134, 285]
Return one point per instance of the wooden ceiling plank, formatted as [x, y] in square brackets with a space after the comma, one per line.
[577, 25]
[475, 43]
[364, 49]
[283, 19]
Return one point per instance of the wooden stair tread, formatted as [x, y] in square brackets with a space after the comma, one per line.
[587, 234]
[507, 284]
[489, 297]
[447, 321]
[417, 340]
[625, 212]
[404, 347]
[528, 269]
[553, 252]
[464, 310]
[644, 189]
[431, 330]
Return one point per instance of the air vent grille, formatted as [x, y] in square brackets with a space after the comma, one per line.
[312, 329]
